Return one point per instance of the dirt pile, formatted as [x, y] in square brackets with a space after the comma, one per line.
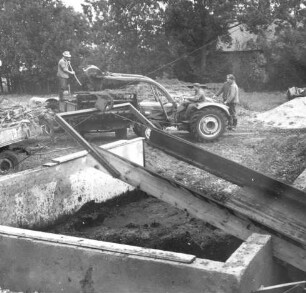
[290, 115]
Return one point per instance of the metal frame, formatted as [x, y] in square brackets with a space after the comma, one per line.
[60, 119]
[288, 287]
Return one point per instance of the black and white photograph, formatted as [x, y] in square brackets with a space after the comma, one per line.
[152, 146]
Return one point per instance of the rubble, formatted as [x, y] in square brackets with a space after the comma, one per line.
[32, 119]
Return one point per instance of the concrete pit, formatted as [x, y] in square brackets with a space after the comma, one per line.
[107, 237]
[135, 218]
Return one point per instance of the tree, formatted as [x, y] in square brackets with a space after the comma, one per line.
[280, 26]
[33, 35]
[146, 36]
[260, 14]
[194, 28]
[138, 36]
[129, 34]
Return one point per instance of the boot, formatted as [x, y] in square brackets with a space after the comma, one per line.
[235, 122]
[230, 123]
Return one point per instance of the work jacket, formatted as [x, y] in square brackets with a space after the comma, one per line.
[233, 94]
[224, 90]
[62, 68]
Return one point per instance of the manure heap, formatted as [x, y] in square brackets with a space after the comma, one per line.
[290, 115]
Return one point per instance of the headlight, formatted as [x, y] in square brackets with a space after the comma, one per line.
[147, 112]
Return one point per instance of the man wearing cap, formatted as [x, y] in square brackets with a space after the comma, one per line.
[191, 103]
[63, 73]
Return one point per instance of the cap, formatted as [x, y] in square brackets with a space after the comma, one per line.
[231, 76]
[67, 54]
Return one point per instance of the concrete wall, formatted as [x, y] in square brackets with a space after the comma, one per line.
[40, 196]
[33, 261]
[55, 263]
[254, 264]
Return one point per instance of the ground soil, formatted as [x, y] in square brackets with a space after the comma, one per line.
[140, 219]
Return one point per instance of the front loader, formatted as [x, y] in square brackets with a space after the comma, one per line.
[207, 123]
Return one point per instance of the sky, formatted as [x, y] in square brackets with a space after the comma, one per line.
[76, 4]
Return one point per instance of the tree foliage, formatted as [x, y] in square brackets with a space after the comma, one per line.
[194, 28]
[33, 35]
[260, 14]
[176, 37]
[280, 26]
[138, 36]
[286, 57]
[130, 33]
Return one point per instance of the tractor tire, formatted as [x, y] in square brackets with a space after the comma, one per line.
[208, 124]
[137, 128]
[53, 104]
[8, 162]
[144, 131]
[121, 133]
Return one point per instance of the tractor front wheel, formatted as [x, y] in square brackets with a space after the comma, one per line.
[121, 133]
[145, 131]
[208, 124]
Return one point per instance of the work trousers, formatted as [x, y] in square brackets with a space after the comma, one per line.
[63, 86]
[190, 108]
[233, 118]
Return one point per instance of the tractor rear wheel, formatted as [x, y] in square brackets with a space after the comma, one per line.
[208, 124]
[8, 162]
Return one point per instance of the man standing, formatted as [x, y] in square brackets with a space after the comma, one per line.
[199, 96]
[224, 89]
[230, 96]
[63, 73]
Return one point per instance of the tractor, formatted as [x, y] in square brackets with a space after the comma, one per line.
[206, 123]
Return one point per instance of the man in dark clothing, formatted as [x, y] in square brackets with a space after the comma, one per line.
[230, 96]
[63, 72]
